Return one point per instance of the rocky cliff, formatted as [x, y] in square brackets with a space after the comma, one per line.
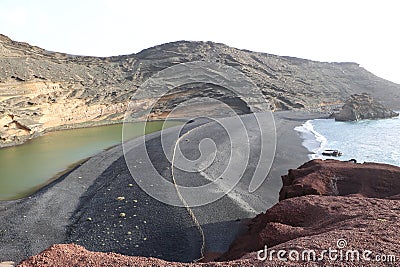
[362, 107]
[42, 90]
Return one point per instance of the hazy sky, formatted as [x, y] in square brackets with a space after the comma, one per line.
[366, 32]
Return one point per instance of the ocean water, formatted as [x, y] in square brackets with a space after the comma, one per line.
[365, 141]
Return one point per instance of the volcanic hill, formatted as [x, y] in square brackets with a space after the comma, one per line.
[42, 90]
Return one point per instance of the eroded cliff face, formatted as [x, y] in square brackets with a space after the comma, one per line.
[42, 90]
[29, 108]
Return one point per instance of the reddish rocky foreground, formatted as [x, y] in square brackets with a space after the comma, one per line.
[338, 178]
[350, 210]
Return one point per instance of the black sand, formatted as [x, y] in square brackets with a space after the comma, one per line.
[86, 210]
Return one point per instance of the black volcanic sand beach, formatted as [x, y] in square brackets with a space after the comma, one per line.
[100, 206]
[136, 225]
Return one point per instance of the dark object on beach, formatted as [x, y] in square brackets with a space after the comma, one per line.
[332, 153]
[363, 107]
[353, 161]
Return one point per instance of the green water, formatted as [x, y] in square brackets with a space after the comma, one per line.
[28, 167]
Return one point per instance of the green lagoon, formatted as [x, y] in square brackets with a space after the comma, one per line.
[26, 168]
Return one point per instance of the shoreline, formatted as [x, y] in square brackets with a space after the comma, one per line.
[90, 124]
[54, 180]
[52, 199]
[73, 126]
[349, 137]
[97, 139]
[41, 218]
[60, 128]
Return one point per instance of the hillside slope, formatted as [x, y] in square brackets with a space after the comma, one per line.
[42, 90]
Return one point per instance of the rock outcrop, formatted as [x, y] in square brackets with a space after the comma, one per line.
[318, 223]
[342, 178]
[45, 90]
[363, 107]
[325, 205]
[325, 201]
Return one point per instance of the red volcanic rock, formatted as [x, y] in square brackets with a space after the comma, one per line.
[337, 200]
[340, 178]
[78, 256]
[65, 255]
[317, 222]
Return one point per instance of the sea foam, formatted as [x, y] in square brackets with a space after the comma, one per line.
[312, 140]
